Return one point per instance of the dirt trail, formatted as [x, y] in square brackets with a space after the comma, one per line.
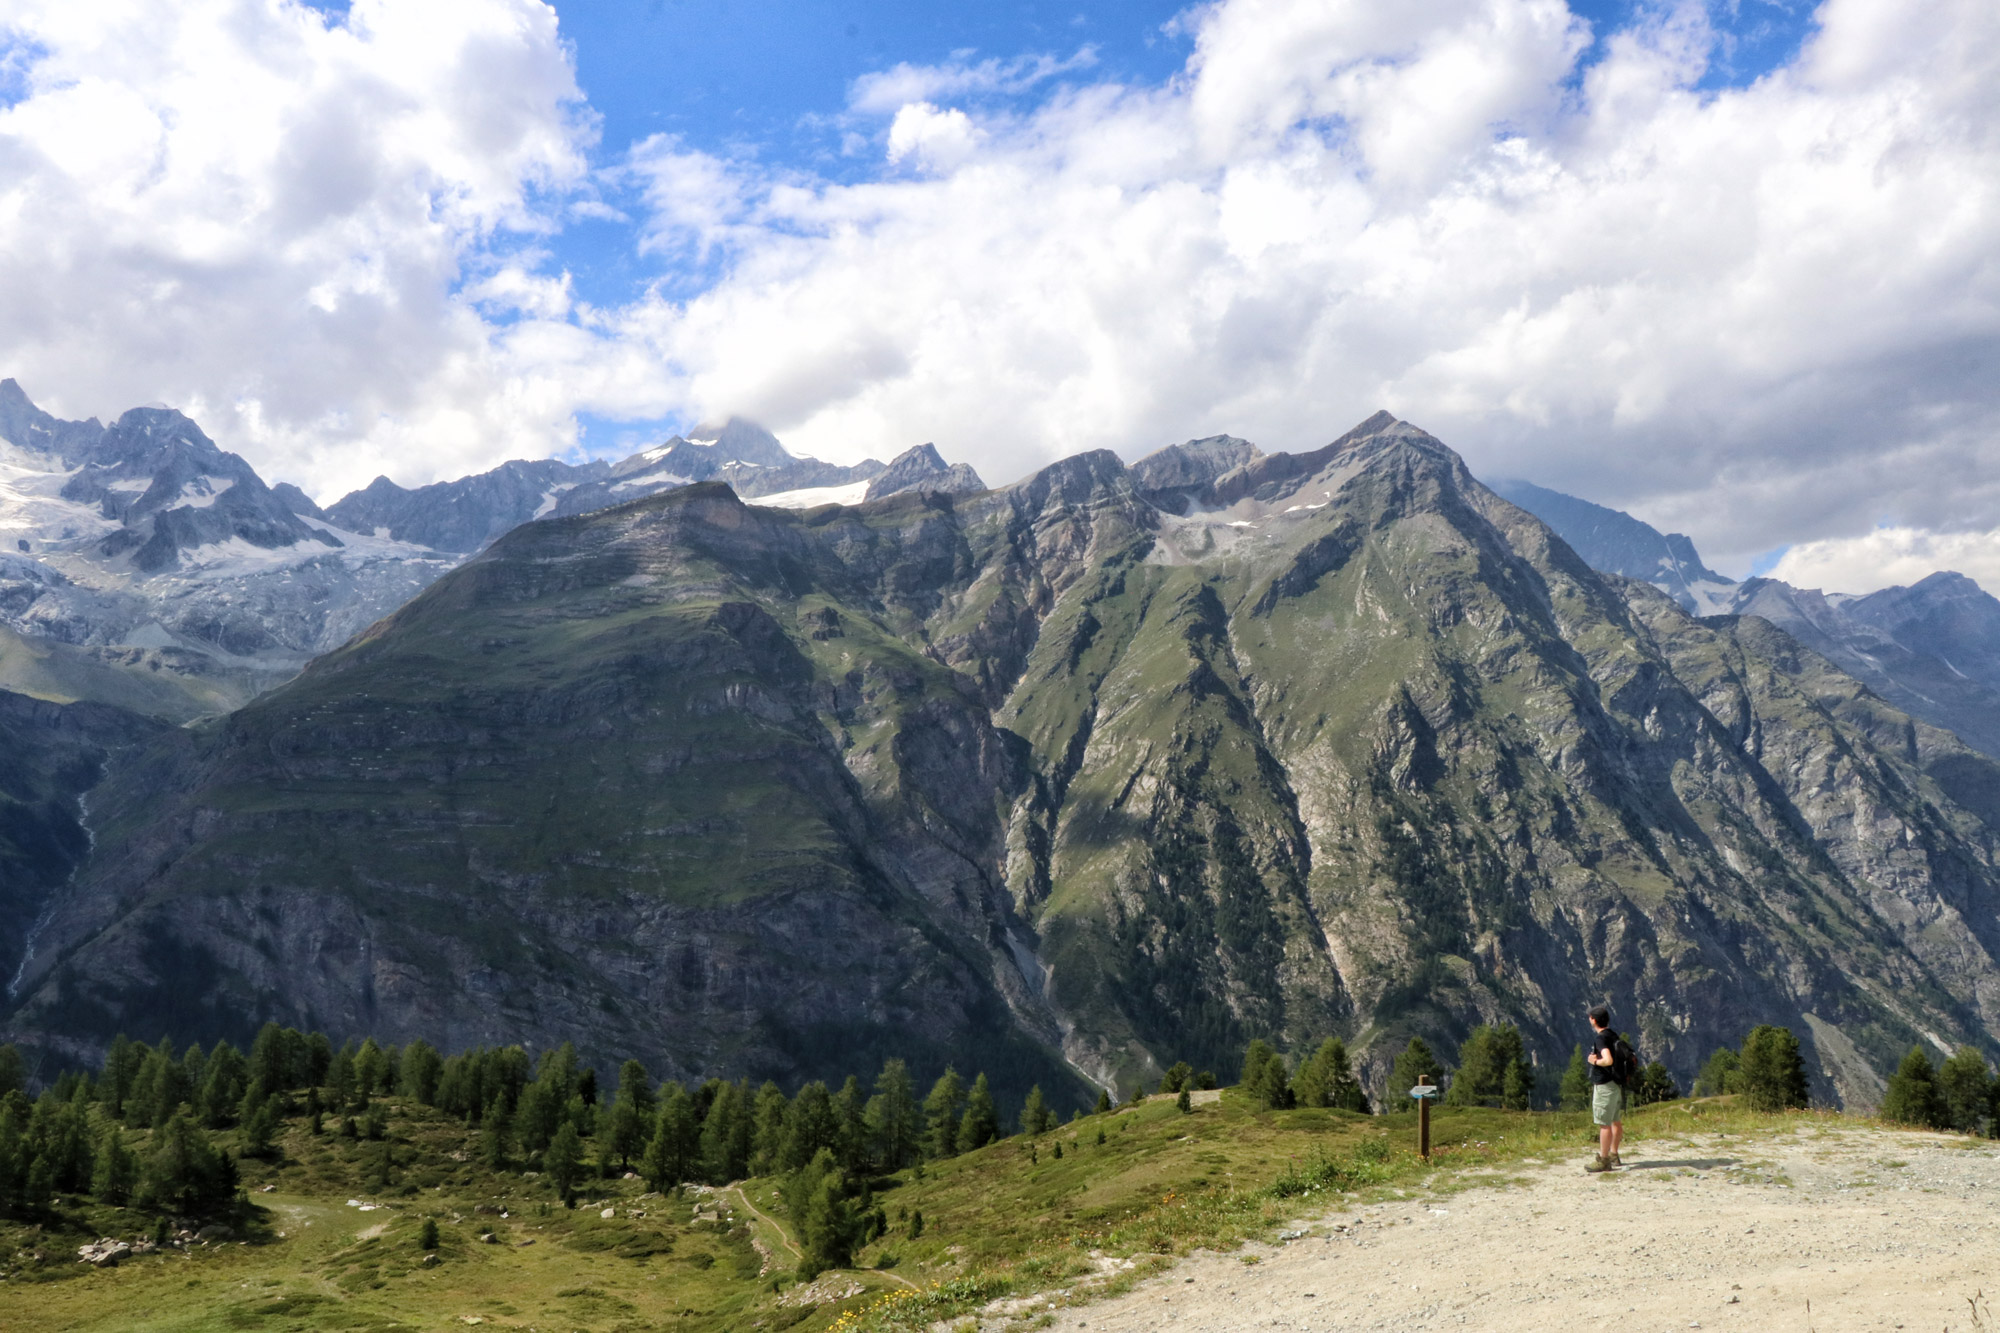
[1877, 1229]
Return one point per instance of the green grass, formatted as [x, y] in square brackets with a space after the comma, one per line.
[1011, 1220]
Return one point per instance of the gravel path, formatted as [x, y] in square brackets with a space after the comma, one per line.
[1877, 1229]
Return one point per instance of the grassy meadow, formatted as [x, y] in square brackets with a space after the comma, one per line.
[1131, 1189]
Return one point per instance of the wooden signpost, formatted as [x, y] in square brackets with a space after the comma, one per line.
[1424, 1092]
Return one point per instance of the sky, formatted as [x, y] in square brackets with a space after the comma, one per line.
[1733, 267]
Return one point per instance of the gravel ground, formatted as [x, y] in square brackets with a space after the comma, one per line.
[1877, 1229]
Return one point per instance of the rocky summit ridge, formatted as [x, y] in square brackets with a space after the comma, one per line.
[1932, 649]
[1106, 769]
[143, 566]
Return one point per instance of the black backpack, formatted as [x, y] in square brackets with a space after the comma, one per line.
[1624, 1062]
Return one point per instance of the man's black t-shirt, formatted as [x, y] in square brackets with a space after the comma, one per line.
[1600, 1044]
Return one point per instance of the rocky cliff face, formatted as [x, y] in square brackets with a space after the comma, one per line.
[1351, 746]
[51, 756]
[1932, 650]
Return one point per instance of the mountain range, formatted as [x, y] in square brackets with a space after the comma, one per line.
[1932, 649]
[141, 565]
[1067, 780]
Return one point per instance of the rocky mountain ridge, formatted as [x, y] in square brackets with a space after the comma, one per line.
[144, 566]
[1932, 649]
[1062, 773]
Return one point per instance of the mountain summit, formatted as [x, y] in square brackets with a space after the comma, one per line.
[1352, 746]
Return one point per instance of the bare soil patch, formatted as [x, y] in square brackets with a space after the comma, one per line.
[1877, 1229]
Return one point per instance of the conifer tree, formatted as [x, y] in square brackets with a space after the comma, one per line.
[636, 1086]
[894, 1121]
[540, 1112]
[340, 1079]
[318, 1059]
[1103, 1102]
[624, 1135]
[267, 1057]
[1718, 1077]
[496, 1134]
[1413, 1065]
[121, 1068]
[13, 1070]
[260, 1128]
[1575, 1092]
[421, 1069]
[183, 1172]
[1485, 1061]
[116, 1171]
[1653, 1084]
[1966, 1088]
[223, 1085]
[1035, 1114]
[673, 1151]
[13, 1149]
[1771, 1071]
[817, 1196]
[1179, 1075]
[850, 1115]
[194, 1070]
[809, 1126]
[943, 1109]
[1263, 1076]
[767, 1133]
[981, 1123]
[563, 1160]
[725, 1135]
[1912, 1096]
[1327, 1079]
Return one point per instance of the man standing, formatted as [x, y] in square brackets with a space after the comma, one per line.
[1607, 1090]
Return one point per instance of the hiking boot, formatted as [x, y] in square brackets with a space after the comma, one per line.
[1616, 1165]
[1602, 1163]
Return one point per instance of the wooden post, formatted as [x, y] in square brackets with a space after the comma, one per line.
[1424, 1121]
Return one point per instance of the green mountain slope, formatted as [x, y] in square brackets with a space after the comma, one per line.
[1361, 749]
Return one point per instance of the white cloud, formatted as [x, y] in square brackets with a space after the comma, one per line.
[1888, 557]
[261, 216]
[892, 89]
[936, 140]
[1759, 315]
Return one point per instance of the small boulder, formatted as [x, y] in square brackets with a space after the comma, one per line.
[104, 1254]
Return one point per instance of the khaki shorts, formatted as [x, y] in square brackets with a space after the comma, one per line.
[1607, 1103]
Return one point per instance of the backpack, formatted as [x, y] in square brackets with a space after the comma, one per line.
[1624, 1062]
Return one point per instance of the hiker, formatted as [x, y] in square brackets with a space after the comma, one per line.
[1607, 1090]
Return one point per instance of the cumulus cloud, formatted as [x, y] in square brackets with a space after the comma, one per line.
[267, 218]
[1888, 557]
[1761, 315]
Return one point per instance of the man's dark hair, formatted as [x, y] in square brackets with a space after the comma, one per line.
[1601, 1016]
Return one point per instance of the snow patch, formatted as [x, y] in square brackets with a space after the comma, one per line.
[549, 499]
[813, 496]
[659, 480]
[201, 492]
